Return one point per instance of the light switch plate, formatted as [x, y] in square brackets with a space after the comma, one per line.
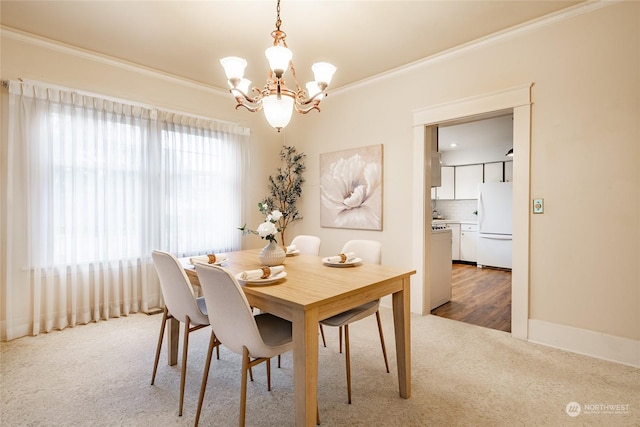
[538, 206]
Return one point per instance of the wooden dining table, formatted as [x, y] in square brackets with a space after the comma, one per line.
[310, 292]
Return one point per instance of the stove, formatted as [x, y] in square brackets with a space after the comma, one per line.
[439, 228]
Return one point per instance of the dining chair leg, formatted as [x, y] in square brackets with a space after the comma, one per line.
[347, 357]
[159, 347]
[268, 363]
[324, 343]
[384, 349]
[340, 333]
[213, 341]
[243, 386]
[183, 374]
[317, 415]
[279, 360]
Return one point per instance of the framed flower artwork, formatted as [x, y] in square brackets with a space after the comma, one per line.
[351, 188]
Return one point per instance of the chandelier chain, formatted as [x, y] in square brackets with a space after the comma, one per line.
[278, 21]
[279, 38]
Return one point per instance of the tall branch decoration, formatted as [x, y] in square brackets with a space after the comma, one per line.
[285, 188]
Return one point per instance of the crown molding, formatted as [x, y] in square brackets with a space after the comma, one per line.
[24, 37]
[509, 33]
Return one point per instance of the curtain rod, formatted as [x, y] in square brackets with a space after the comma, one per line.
[5, 84]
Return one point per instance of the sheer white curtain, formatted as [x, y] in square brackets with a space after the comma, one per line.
[93, 186]
[202, 176]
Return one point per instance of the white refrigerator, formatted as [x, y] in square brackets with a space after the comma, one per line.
[494, 224]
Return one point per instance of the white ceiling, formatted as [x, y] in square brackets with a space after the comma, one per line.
[477, 134]
[187, 38]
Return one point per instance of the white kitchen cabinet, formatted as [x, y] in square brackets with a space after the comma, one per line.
[446, 190]
[508, 171]
[455, 243]
[468, 242]
[467, 179]
[493, 172]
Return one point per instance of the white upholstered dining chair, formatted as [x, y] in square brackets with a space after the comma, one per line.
[180, 304]
[257, 338]
[370, 251]
[307, 244]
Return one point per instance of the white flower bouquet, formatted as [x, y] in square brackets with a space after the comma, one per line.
[266, 230]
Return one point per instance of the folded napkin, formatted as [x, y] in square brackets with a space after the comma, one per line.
[342, 258]
[263, 273]
[206, 259]
[290, 248]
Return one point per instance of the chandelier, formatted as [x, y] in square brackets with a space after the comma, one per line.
[275, 98]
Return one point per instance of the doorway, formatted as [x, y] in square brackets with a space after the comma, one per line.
[476, 151]
[518, 100]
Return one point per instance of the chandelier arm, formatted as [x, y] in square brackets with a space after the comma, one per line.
[303, 105]
[243, 100]
[304, 110]
[252, 109]
[238, 93]
[315, 99]
[248, 104]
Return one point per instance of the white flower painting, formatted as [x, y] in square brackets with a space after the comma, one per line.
[351, 188]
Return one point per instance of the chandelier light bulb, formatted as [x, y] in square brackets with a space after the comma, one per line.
[313, 89]
[233, 67]
[323, 72]
[279, 58]
[242, 85]
[278, 110]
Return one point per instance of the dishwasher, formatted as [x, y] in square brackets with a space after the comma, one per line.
[441, 265]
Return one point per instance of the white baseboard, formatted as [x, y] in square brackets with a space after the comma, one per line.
[582, 341]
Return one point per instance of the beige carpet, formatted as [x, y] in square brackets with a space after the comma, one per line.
[463, 375]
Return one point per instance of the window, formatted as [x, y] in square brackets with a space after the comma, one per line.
[98, 176]
[201, 178]
[93, 186]
[102, 193]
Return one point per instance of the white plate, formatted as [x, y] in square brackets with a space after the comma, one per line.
[266, 281]
[218, 262]
[293, 252]
[351, 263]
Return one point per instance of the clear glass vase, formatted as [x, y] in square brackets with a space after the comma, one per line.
[272, 254]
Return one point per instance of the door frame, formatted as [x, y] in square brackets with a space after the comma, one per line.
[517, 100]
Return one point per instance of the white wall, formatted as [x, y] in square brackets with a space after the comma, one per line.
[585, 114]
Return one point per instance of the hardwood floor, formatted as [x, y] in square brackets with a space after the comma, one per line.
[480, 296]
